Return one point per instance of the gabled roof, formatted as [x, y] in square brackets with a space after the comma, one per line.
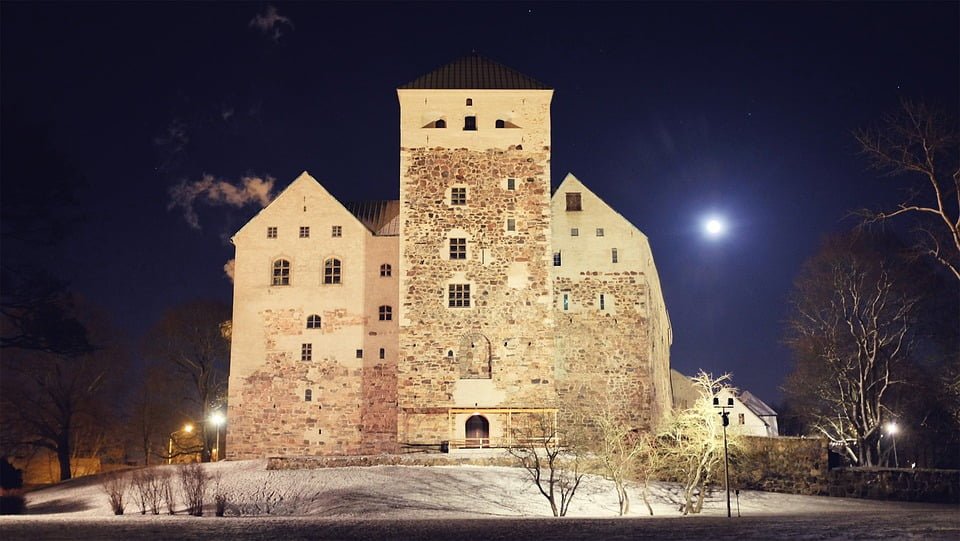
[475, 72]
[382, 218]
[757, 406]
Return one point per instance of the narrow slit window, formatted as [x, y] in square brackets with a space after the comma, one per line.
[556, 259]
[603, 303]
[308, 395]
[566, 302]
[383, 353]
[614, 255]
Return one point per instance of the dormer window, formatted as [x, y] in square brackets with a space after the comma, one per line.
[469, 102]
[501, 123]
[469, 123]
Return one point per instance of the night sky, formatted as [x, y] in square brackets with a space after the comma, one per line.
[669, 112]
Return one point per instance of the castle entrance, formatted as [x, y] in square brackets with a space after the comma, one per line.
[477, 432]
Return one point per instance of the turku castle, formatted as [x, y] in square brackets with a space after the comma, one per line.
[476, 301]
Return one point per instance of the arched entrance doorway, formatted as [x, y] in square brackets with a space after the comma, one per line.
[478, 432]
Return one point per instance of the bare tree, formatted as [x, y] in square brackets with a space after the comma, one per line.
[622, 451]
[850, 330]
[554, 467]
[190, 338]
[921, 143]
[62, 403]
[689, 445]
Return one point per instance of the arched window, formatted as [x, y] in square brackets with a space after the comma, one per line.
[501, 123]
[331, 271]
[469, 102]
[386, 313]
[386, 270]
[313, 321]
[440, 123]
[308, 395]
[281, 272]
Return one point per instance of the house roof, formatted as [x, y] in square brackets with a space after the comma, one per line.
[382, 218]
[475, 72]
[757, 406]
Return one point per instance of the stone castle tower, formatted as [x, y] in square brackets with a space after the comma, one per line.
[453, 314]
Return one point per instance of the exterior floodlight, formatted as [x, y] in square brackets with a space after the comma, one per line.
[188, 428]
[217, 418]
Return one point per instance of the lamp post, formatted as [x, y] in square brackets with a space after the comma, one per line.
[217, 419]
[188, 428]
[892, 429]
[726, 467]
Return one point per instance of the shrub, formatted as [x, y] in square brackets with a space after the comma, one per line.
[115, 486]
[12, 504]
[193, 483]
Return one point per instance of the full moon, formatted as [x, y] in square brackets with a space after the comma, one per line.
[714, 227]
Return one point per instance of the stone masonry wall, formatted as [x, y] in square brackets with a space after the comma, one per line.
[508, 273]
[603, 354]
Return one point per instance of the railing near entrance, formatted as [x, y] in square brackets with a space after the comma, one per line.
[489, 443]
[512, 420]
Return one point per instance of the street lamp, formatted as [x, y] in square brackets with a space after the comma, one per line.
[892, 429]
[726, 467]
[217, 419]
[188, 428]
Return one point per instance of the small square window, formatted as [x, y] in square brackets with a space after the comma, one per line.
[271, 232]
[386, 270]
[359, 353]
[556, 259]
[306, 352]
[458, 196]
[599, 231]
[511, 184]
[511, 224]
[304, 232]
[573, 201]
[574, 232]
[386, 313]
[459, 296]
[614, 256]
[336, 231]
[458, 248]
[469, 102]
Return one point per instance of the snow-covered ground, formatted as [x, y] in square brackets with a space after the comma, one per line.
[418, 502]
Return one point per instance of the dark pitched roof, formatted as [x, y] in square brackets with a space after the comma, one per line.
[382, 218]
[475, 72]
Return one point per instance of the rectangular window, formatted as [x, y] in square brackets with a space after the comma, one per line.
[603, 303]
[556, 259]
[573, 201]
[304, 232]
[458, 196]
[566, 302]
[511, 184]
[271, 232]
[306, 352]
[458, 248]
[575, 232]
[741, 419]
[511, 224]
[386, 313]
[599, 231]
[383, 353]
[469, 123]
[459, 296]
[336, 231]
[359, 353]
[614, 257]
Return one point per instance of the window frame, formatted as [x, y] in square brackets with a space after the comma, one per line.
[272, 232]
[385, 312]
[386, 270]
[314, 321]
[458, 248]
[306, 351]
[458, 196]
[332, 271]
[336, 231]
[574, 201]
[304, 232]
[458, 296]
[281, 272]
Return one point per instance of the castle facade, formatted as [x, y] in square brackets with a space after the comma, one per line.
[476, 301]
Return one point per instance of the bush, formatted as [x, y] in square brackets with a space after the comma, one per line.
[219, 494]
[165, 482]
[115, 486]
[193, 483]
[12, 504]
